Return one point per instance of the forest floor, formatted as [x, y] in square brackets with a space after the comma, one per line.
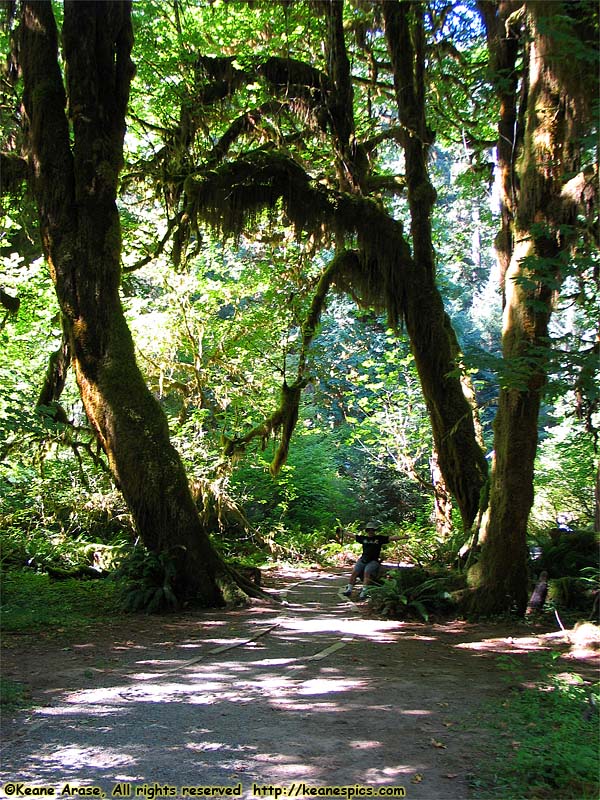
[295, 696]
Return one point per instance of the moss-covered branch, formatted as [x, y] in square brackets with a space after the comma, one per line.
[336, 268]
[284, 418]
[217, 78]
[379, 273]
[232, 197]
[304, 87]
[244, 124]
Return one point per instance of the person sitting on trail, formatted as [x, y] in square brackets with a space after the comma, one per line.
[368, 565]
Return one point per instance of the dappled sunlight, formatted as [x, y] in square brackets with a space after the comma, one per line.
[376, 630]
[286, 768]
[288, 772]
[275, 662]
[327, 686]
[291, 629]
[314, 691]
[393, 774]
[203, 687]
[304, 706]
[506, 645]
[93, 709]
[364, 744]
[206, 747]
[579, 644]
[72, 756]
[270, 686]
[145, 692]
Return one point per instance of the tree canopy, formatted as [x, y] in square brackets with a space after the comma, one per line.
[354, 241]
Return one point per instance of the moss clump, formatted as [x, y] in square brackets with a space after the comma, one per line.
[232, 197]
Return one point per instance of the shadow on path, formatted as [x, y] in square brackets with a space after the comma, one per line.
[310, 691]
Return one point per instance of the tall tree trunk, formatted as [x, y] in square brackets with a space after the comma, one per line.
[442, 500]
[75, 189]
[597, 500]
[340, 104]
[433, 340]
[538, 215]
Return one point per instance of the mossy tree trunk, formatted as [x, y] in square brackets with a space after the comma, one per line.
[340, 103]
[75, 185]
[442, 500]
[432, 337]
[539, 206]
[597, 501]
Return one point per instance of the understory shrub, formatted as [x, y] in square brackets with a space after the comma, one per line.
[308, 494]
[145, 581]
[546, 738]
[571, 560]
[52, 522]
[565, 553]
[414, 592]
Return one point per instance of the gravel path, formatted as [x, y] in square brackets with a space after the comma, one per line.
[274, 700]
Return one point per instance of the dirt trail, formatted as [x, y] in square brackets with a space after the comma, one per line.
[310, 692]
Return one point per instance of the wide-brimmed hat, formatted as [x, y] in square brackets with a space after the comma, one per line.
[372, 525]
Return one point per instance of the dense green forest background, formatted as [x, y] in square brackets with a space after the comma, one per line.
[218, 307]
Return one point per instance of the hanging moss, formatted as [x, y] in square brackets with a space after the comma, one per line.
[378, 276]
[305, 88]
[217, 79]
[235, 196]
[282, 420]
[232, 198]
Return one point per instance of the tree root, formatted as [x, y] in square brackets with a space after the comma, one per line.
[236, 590]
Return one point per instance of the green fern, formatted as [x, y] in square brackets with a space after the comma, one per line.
[147, 581]
[406, 592]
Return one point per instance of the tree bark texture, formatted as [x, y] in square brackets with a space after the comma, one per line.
[442, 500]
[75, 188]
[538, 218]
[340, 105]
[504, 50]
[433, 340]
[597, 500]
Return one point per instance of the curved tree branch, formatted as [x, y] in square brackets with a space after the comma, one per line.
[285, 417]
[244, 124]
[234, 195]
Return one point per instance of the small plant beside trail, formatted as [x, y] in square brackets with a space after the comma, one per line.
[414, 592]
[146, 581]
